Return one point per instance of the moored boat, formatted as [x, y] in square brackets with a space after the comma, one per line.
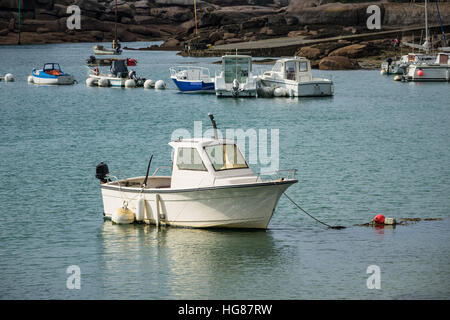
[437, 71]
[51, 74]
[211, 185]
[294, 78]
[118, 76]
[236, 78]
[192, 79]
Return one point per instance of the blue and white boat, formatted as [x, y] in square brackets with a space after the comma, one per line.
[51, 73]
[192, 79]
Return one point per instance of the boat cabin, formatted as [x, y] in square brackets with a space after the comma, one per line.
[52, 69]
[208, 162]
[198, 163]
[119, 68]
[190, 73]
[236, 67]
[297, 69]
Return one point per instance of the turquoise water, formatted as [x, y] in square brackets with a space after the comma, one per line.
[377, 146]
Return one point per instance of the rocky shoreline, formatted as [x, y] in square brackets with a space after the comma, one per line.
[220, 22]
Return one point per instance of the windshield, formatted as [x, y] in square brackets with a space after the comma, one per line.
[225, 157]
[236, 68]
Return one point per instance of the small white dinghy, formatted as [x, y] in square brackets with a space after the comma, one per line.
[211, 185]
[101, 50]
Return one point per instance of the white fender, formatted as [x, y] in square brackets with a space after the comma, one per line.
[140, 207]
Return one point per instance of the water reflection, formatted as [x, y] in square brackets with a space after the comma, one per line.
[172, 263]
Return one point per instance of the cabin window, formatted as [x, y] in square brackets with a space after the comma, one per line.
[189, 159]
[290, 70]
[236, 68]
[303, 65]
[225, 157]
[278, 67]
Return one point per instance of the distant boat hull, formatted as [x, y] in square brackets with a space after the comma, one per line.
[430, 73]
[238, 206]
[314, 88]
[193, 86]
[107, 52]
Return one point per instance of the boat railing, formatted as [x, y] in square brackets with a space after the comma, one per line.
[278, 174]
[159, 168]
[192, 72]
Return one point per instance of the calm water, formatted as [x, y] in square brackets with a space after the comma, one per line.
[377, 146]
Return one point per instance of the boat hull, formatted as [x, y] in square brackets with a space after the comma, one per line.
[246, 93]
[314, 88]
[192, 86]
[431, 73]
[239, 206]
[113, 81]
[106, 52]
[53, 80]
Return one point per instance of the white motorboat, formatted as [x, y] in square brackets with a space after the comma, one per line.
[211, 185]
[294, 77]
[399, 67]
[117, 77]
[101, 50]
[192, 79]
[236, 78]
[438, 70]
[51, 74]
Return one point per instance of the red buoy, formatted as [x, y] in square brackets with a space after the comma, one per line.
[420, 73]
[379, 219]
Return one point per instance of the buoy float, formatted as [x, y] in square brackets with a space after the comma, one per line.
[279, 92]
[379, 219]
[9, 77]
[397, 78]
[148, 84]
[123, 215]
[140, 210]
[103, 82]
[90, 82]
[383, 72]
[130, 83]
[420, 73]
[160, 85]
[30, 79]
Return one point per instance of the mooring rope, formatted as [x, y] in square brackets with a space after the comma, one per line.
[332, 227]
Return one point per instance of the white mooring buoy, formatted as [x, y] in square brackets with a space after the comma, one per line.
[9, 77]
[160, 85]
[130, 83]
[148, 84]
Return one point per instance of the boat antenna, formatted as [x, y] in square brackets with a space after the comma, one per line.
[213, 124]
[444, 39]
[148, 170]
[427, 47]
[18, 42]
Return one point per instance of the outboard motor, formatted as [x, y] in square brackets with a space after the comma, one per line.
[101, 171]
[132, 75]
[235, 88]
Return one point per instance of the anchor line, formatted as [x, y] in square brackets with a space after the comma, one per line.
[331, 227]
